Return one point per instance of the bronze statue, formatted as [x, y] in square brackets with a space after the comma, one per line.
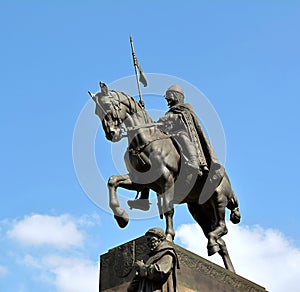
[158, 160]
[159, 272]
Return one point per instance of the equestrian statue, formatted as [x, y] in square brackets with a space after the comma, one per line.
[172, 157]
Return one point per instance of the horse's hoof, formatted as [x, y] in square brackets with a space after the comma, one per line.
[235, 216]
[122, 219]
[213, 249]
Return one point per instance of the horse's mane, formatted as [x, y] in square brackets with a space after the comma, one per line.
[136, 105]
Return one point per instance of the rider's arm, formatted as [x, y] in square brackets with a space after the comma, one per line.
[166, 122]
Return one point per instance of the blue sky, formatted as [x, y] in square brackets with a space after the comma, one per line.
[243, 56]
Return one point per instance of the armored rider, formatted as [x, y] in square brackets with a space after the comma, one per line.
[179, 123]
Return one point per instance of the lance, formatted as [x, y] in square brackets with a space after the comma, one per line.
[137, 67]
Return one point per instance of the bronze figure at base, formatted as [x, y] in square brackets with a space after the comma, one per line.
[159, 272]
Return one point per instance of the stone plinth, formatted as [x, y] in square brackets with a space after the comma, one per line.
[196, 274]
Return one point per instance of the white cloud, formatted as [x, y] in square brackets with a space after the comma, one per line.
[60, 231]
[66, 274]
[73, 274]
[264, 256]
[65, 268]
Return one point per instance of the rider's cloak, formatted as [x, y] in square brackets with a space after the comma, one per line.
[196, 131]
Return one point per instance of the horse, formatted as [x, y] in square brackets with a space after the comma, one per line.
[154, 162]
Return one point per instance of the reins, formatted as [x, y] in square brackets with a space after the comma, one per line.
[139, 149]
[133, 108]
[129, 129]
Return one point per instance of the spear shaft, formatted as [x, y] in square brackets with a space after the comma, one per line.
[136, 72]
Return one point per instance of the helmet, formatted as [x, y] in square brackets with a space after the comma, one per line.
[174, 95]
[175, 88]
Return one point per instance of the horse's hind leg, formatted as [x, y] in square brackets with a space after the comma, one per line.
[114, 182]
[202, 214]
[233, 205]
[217, 205]
[205, 216]
[223, 252]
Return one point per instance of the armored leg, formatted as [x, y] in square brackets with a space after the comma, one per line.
[195, 159]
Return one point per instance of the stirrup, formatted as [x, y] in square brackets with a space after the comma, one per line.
[141, 204]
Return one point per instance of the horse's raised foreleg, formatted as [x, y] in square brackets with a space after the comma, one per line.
[114, 182]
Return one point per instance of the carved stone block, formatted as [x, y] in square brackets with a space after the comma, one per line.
[196, 274]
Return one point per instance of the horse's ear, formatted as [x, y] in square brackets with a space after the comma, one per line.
[103, 87]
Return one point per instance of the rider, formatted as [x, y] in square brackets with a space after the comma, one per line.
[179, 123]
[182, 124]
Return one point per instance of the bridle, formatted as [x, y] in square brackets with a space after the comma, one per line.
[116, 102]
[115, 97]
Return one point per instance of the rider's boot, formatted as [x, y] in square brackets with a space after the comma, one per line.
[142, 203]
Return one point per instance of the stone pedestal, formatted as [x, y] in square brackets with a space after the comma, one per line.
[196, 274]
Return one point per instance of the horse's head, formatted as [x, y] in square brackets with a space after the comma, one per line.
[110, 111]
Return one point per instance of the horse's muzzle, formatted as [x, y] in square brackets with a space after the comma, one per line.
[114, 136]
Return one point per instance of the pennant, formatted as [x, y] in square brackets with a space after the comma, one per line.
[136, 64]
[142, 78]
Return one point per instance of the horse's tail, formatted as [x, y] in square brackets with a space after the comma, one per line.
[233, 205]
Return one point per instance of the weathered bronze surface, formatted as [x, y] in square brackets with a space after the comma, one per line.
[195, 273]
[172, 157]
